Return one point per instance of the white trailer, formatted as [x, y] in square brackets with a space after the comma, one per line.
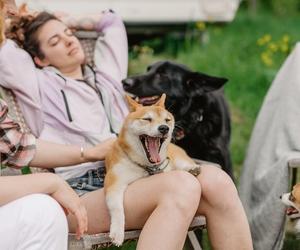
[141, 12]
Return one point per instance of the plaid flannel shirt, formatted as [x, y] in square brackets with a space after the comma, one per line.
[16, 148]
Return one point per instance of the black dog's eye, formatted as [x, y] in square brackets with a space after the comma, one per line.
[147, 119]
[160, 72]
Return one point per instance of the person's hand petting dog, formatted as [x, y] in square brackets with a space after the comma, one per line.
[98, 152]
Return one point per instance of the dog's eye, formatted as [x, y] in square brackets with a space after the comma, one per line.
[168, 119]
[147, 119]
[160, 73]
[292, 198]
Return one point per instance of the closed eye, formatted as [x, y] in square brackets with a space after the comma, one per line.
[168, 119]
[54, 40]
[147, 119]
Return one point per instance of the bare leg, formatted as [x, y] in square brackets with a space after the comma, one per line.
[226, 220]
[164, 204]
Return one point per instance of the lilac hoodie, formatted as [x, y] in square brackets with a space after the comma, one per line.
[68, 111]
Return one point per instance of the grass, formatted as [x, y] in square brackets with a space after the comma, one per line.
[249, 51]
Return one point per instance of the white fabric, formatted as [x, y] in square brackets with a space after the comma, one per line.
[275, 139]
[34, 222]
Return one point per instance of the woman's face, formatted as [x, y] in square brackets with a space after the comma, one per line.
[59, 46]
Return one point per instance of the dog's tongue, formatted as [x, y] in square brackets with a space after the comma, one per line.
[153, 146]
[291, 210]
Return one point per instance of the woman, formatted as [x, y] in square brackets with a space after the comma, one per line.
[73, 104]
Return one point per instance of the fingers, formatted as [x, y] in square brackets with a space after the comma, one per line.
[82, 221]
[10, 7]
[68, 199]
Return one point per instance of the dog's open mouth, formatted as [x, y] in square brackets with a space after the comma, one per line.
[147, 100]
[292, 211]
[152, 147]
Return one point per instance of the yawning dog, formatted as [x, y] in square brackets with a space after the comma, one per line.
[292, 201]
[197, 102]
[143, 148]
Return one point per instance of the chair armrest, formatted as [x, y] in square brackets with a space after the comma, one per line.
[293, 166]
[294, 163]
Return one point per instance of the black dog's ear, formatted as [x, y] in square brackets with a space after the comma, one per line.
[204, 83]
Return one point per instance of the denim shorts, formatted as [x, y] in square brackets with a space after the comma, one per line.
[92, 180]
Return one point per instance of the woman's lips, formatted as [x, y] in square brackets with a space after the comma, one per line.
[73, 51]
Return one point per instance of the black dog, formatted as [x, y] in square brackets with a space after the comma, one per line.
[198, 105]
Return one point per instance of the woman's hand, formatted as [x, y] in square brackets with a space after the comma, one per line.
[98, 152]
[71, 203]
[12, 188]
[8, 10]
[10, 7]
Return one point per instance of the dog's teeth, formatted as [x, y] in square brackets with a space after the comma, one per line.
[147, 146]
[137, 99]
[154, 97]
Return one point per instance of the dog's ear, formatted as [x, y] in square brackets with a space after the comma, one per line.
[204, 83]
[296, 193]
[161, 101]
[132, 104]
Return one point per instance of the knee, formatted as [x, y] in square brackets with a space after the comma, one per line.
[218, 189]
[182, 191]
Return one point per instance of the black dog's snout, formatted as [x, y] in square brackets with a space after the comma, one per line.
[163, 129]
[127, 83]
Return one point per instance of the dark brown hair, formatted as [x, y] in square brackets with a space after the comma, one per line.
[24, 31]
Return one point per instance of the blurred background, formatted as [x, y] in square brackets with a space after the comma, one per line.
[244, 41]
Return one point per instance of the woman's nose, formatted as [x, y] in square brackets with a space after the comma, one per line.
[68, 40]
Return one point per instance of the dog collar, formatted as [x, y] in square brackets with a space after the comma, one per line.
[157, 168]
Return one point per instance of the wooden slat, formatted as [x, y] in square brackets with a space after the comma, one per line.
[102, 240]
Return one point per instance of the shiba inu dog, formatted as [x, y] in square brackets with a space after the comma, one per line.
[292, 201]
[143, 148]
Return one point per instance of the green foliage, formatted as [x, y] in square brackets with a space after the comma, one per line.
[248, 51]
[26, 170]
[285, 7]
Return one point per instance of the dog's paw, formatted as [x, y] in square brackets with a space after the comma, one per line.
[195, 171]
[116, 236]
